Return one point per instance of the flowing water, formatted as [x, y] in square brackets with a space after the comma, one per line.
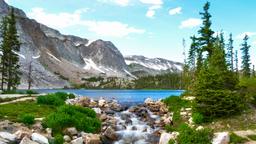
[130, 128]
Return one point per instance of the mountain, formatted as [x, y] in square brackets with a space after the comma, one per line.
[58, 60]
[141, 66]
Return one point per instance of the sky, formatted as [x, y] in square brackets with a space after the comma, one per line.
[153, 28]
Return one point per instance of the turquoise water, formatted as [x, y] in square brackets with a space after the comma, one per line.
[123, 96]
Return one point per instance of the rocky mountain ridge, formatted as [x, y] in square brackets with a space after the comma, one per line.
[58, 60]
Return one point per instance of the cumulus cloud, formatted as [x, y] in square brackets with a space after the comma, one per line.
[152, 2]
[118, 2]
[152, 11]
[190, 23]
[175, 11]
[63, 20]
[242, 35]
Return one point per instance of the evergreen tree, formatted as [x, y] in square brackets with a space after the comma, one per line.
[10, 47]
[192, 54]
[206, 38]
[246, 57]
[3, 47]
[230, 53]
[253, 71]
[236, 62]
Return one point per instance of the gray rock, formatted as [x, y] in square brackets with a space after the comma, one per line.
[66, 138]
[39, 138]
[8, 136]
[26, 140]
[77, 141]
[71, 131]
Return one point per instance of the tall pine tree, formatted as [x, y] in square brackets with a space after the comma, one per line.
[236, 62]
[246, 57]
[3, 47]
[230, 53]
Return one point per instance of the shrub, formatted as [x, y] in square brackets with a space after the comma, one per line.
[235, 139]
[55, 99]
[58, 139]
[83, 119]
[218, 103]
[197, 118]
[50, 99]
[247, 86]
[27, 119]
[191, 136]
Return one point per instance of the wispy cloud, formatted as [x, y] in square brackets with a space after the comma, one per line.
[190, 23]
[175, 11]
[102, 28]
[118, 2]
[152, 2]
[242, 35]
[152, 11]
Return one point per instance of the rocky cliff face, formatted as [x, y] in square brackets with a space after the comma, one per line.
[58, 60]
[62, 58]
[141, 66]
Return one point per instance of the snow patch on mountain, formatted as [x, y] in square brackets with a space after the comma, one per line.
[54, 57]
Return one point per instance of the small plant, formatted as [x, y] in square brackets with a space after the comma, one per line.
[58, 139]
[27, 119]
[235, 139]
[197, 118]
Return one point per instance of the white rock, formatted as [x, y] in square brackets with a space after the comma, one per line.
[20, 134]
[148, 101]
[7, 136]
[97, 110]
[188, 109]
[39, 119]
[77, 141]
[221, 138]
[39, 138]
[67, 138]
[26, 140]
[183, 113]
[190, 98]
[165, 138]
[101, 102]
[190, 120]
[199, 128]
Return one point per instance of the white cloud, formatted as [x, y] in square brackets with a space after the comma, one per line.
[152, 2]
[242, 35]
[118, 2]
[190, 23]
[152, 11]
[63, 20]
[175, 11]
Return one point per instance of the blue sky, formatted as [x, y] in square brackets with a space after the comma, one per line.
[153, 28]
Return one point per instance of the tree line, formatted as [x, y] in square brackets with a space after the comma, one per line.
[9, 47]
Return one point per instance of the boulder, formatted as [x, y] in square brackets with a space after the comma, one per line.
[165, 138]
[71, 131]
[111, 134]
[101, 102]
[8, 136]
[91, 138]
[199, 128]
[221, 138]
[149, 101]
[66, 138]
[3, 141]
[26, 140]
[84, 101]
[77, 141]
[39, 138]
[97, 110]
[20, 134]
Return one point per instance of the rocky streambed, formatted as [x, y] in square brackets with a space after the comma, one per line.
[140, 124]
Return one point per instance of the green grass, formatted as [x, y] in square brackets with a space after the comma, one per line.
[252, 137]
[12, 111]
[235, 139]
